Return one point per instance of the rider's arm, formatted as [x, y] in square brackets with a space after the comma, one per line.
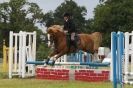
[72, 26]
[65, 27]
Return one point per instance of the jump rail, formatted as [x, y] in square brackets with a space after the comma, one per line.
[70, 63]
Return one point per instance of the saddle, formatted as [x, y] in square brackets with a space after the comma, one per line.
[77, 39]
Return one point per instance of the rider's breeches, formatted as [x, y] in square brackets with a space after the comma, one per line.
[71, 40]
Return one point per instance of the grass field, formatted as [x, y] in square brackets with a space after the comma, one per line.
[36, 83]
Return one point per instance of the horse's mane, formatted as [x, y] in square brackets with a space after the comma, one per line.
[55, 28]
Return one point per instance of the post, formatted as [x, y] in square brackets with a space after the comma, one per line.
[29, 53]
[34, 52]
[23, 54]
[80, 56]
[20, 52]
[10, 54]
[132, 54]
[15, 53]
[5, 52]
[113, 64]
[126, 56]
[65, 58]
[121, 57]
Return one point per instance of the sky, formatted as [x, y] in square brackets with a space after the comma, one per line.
[47, 5]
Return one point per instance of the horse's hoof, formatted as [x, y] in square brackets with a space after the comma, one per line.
[53, 63]
[45, 65]
[47, 61]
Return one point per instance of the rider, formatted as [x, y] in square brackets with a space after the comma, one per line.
[70, 30]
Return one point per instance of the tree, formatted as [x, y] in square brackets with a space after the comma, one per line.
[78, 13]
[89, 28]
[49, 19]
[17, 15]
[113, 15]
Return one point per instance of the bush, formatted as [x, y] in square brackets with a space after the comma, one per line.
[42, 51]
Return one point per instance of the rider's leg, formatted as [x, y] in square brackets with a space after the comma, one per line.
[74, 40]
[74, 43]
[68, 40]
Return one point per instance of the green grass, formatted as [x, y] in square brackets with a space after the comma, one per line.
[35, 83]
[3, 75]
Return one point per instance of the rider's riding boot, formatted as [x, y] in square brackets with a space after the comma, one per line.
[76, 45]
[68, 40]
[76, 41]
[68, 45]
[47, 61]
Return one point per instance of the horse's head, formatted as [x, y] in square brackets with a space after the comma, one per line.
[53, 32]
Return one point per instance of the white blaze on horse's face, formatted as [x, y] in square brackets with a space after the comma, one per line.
[50, 41]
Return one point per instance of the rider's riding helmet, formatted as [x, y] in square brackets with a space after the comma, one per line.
[66, 14]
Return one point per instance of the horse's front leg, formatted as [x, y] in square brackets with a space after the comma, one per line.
[50, 55]
[57, 56]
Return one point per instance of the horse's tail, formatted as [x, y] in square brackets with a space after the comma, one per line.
[97, 38]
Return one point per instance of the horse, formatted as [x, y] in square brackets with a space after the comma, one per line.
[87, 42]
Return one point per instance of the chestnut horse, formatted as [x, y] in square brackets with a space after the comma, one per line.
[88, 42]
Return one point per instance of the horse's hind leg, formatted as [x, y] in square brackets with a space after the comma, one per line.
[95, 57]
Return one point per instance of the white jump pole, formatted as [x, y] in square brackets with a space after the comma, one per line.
[126, 56]
[132, 53]
[29, 53]
[10, 54]
[65, 58]
[15, 53]
[23, 54]
[20, 52]
[33, 51]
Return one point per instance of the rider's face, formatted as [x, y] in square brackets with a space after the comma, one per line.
[65, 18]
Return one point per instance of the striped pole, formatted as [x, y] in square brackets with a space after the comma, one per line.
[113, 49]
